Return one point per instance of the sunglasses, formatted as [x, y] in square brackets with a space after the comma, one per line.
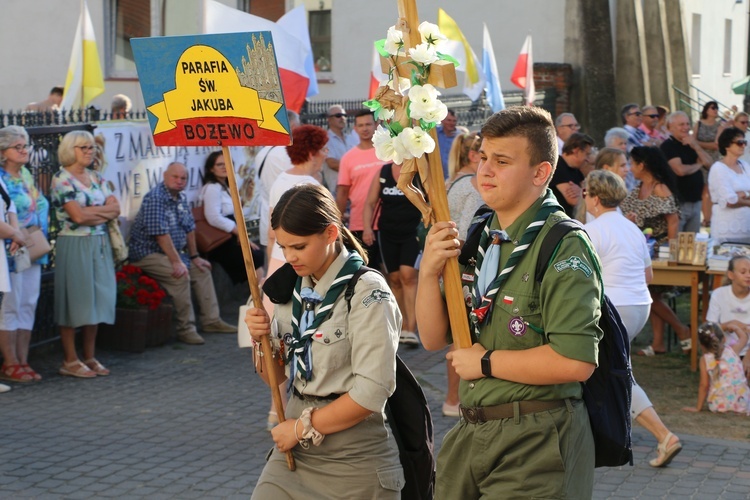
[636, 113]
[572, 125]
[741, 142]
[653, 116]
[337, 115]
[741, 122]
[86, 148]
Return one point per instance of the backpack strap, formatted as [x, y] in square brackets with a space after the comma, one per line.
[550, 243]
[474, 234]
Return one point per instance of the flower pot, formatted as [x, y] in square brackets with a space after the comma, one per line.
[128, 333]
[159, 328]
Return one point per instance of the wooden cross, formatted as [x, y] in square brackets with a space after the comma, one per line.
[442, 74]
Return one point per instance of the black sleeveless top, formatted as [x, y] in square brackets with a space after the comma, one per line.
[398, 217]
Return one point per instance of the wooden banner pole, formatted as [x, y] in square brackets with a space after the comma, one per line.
[252, 279]
[438, 197]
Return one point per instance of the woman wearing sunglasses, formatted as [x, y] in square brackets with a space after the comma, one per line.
[729, 185]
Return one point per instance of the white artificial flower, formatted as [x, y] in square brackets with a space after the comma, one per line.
[387, 114]
[416, 142]
[425, 104]
[431, 33]
[385, 145]
[403, 85]
[423, 99]
[394, 42]
[435, 114]
[423, 53]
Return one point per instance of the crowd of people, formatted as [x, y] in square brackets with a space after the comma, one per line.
[328, 206]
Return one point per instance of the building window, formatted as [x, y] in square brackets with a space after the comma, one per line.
[727, 46]
[126, 19]
[320, 38]
[695, 45]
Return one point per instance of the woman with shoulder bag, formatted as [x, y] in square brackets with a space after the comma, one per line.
[219, 212]
[18, 310]
[85, 287]
[340, 359]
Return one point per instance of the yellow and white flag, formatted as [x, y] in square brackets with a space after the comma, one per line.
[457, 47]
[84, 81]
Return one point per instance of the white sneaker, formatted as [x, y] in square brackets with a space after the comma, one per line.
[408, 338]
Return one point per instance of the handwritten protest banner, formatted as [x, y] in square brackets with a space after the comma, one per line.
[212, 90]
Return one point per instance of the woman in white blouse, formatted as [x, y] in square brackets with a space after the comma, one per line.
[729, 186]
[219, 212]
[626, 271]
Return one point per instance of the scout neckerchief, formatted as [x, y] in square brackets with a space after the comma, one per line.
[488, 260]
[305, 321]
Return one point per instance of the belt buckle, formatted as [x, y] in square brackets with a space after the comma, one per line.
[474, 415]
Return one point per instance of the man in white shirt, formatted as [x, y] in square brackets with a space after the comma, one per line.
[339, 142]
[565, 125]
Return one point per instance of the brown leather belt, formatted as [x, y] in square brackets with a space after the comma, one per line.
[309, 397]
[481, 414]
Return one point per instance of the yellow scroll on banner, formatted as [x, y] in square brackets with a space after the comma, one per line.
[206, 85]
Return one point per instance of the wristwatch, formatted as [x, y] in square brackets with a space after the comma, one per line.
[487, 364]
[746, 193]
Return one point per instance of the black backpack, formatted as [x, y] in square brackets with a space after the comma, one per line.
[410, 421]
[608, 391]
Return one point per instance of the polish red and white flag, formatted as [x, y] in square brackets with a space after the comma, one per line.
[523, 72]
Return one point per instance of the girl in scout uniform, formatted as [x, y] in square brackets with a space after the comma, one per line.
[340, 362]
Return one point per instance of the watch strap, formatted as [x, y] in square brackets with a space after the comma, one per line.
[487, 363]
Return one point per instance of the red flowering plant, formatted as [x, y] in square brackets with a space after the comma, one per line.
[135, 290]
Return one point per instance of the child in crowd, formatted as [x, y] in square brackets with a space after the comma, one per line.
[723, 380]
[730, 305]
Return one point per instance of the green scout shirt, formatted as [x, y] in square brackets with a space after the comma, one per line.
[563, 312]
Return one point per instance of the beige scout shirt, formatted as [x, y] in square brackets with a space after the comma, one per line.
[352, 352]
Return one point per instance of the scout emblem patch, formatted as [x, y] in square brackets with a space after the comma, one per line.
[574, 263]
[516, 326]
[375, 296]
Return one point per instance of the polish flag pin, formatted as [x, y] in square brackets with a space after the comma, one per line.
[318, 335]
[507, 300]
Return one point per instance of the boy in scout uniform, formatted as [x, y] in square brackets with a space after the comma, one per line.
[524, 430]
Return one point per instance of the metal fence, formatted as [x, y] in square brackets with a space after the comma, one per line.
[471, 114]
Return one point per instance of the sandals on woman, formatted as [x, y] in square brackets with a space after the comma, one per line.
[97, 367]
[15, 373]
[665, 453]
[77, 369]
[31, 372]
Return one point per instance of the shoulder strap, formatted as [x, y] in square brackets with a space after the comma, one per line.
[455, 181]
[349, 293]
[474, 234]
[550, 243]
[260, 169]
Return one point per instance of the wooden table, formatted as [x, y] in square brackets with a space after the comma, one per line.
[685, 275]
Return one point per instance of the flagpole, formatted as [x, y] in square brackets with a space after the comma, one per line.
[252, 279]
[83, 51]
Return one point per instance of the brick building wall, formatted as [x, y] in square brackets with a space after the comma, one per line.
[557, 76]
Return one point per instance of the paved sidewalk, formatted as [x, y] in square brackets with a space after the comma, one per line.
[189, 422]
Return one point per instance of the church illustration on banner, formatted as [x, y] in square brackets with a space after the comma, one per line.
[259, 69]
